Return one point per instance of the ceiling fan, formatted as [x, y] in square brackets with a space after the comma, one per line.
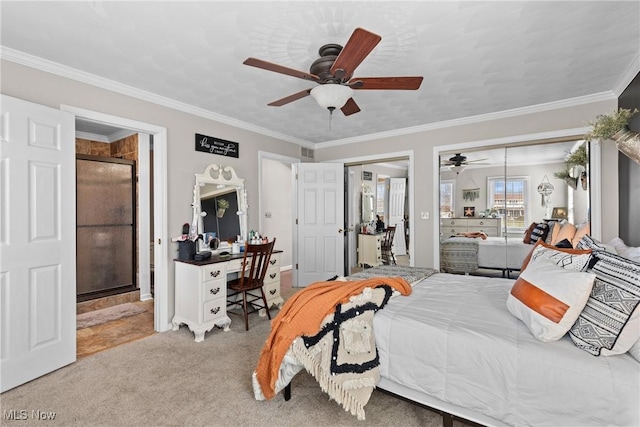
[333, 72]
[458, 160]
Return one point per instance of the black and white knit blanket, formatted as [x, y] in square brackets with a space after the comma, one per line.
[342, 356]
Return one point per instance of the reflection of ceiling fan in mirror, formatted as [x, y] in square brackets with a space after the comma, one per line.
[459, 160]
[333, 72]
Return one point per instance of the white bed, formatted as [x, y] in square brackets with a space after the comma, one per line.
[454, 346]
[499, 253]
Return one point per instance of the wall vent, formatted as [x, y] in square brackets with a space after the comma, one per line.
[306, 152]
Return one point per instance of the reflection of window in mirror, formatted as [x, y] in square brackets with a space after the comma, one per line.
[508, 198]
[367, 204]
[447, 199]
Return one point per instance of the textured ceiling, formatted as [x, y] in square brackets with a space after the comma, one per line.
[476, 57]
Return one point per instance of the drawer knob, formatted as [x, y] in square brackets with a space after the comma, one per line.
[272, 291]
[481, 222]
[215, 310]
[273, 275]
[214, 290]
[215, 273]
[272, 261]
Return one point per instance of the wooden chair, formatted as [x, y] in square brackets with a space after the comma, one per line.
[387, 246]
[247, 290]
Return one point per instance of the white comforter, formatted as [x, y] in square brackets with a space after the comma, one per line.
[454, 341]
[496, 252]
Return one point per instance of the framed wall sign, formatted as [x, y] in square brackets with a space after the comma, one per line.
[367, 176]
[221, 147]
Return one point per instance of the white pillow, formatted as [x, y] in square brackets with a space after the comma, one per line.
[629, 252]
[548, 298]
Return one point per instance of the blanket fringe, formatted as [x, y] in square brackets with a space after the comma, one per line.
[327, 385]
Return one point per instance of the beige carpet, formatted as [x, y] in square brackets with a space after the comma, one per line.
[104, 315]
[170, 380]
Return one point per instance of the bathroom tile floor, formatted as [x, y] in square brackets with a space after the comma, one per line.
[111, 334]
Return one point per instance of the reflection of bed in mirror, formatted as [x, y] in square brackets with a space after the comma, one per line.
[467, 255]
[215, 184]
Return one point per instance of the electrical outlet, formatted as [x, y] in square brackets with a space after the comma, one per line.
[424, 215]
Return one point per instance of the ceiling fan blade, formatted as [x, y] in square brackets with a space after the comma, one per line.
[290, 98]
[269, 66]
[477, 160]
[350, 107]
[381, 83]
[360, 44]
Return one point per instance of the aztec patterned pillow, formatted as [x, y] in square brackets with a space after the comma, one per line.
[570, 259]
[610, 322]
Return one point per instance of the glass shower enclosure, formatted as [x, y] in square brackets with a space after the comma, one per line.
[106, 226]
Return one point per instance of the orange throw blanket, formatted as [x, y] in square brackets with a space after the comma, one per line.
[302, 314]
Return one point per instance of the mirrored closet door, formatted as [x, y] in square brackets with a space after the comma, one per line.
[491, 197]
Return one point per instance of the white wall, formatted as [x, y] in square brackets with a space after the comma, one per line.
[277, 206]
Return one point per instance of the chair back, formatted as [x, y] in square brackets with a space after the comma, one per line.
[387, 240]
[256, 262]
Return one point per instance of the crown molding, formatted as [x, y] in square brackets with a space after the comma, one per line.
[628, 76]
[92, 137]
[45, 65]
[549, 106]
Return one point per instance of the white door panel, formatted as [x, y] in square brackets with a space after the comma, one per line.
[37, 241]
[320, 219]
[397, 189]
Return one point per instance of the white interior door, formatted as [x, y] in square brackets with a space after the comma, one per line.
[37, 240]
[320, 222]
[397, 189]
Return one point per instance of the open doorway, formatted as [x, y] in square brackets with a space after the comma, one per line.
[152, 235]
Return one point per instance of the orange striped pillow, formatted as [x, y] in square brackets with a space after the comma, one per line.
[549, 298]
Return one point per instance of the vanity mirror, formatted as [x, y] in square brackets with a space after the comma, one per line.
[367, 204]
[220, 205]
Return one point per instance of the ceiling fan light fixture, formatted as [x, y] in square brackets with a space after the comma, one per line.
[331, 95]
[456, 168]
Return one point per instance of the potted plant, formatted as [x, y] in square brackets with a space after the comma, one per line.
[222, 205]
[614, 126]
[565, 175]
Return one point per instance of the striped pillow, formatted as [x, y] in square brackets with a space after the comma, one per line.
[539, 233]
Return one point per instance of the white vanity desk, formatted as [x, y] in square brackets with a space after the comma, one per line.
[201, 286]
[201, 291]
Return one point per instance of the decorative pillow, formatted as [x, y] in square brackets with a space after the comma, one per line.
[610, 322]
[539, 232]
[588, 242]
[583, 230]
[566, 244]
[567, 231]
[572, 259]
[548, 298]
[552, 225]
[635, 351]
[556, 232]
[528, 231]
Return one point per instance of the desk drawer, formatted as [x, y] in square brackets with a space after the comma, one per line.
[233, 266]
[273, 275]
[212, 272]
[272, 290]
[214, 289]
[274, 261]
[215, 309]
